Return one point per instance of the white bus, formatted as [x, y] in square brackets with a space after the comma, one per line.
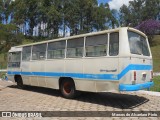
[105, 61]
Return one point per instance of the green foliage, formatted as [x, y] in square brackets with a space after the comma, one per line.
[3, 60]
[51, 16]
[138, 11]
[156, 86]
[9, 36]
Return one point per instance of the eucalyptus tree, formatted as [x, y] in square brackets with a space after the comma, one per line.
[138, 11]
[5, 10]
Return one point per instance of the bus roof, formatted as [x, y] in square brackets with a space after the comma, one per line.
[82, 35]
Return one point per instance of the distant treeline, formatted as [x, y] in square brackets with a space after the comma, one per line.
[47, 19]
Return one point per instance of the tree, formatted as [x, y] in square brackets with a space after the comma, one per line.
[82, 16]
[19, 15]
[5, 10]
[48, 17]
[113, 14]
[125, 16]
[54, 18]
[149, 27]
[9, 36]
[150, 12]
[100, 19]
[138, 11]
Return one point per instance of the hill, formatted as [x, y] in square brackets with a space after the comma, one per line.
[156, 53]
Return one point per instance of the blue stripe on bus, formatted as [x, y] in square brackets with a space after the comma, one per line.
[135, 87]
[84, 75]
[134, 67]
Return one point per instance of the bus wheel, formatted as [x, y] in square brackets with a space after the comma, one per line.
[19, 81]
[67, 88]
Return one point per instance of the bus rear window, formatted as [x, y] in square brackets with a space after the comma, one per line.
[138, 44]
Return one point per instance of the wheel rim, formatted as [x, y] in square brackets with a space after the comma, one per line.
[67, 87]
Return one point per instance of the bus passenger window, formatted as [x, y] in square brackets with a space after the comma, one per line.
[96, 45]
[114, 44]
[75, 48]
[26, 53]
[14, 59]
[39, 52]
[56, 49]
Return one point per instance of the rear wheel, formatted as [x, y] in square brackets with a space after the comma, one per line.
[67, 88]
[19, 81]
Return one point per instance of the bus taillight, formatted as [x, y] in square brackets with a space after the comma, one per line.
[135, 75]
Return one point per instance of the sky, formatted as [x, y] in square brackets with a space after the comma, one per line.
[115, 4]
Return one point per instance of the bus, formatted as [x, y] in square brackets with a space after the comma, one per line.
[111, 60]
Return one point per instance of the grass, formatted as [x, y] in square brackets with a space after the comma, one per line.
[156, 53]
[156, 86]
[3, 62]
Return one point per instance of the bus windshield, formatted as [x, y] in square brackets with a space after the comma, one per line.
[138, 44]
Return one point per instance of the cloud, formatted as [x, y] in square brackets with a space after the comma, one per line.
[116, 4]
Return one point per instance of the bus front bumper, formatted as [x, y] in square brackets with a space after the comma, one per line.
[135, 87]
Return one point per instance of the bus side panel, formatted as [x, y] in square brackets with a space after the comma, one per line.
[37, 77]
[25, 67]
[104, 72]
[109, 86]
[74, 66]
[124, 73]
[54, 70]
[85, 85]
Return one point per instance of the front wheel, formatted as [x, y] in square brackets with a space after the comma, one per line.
[19, 81]
[67, 88]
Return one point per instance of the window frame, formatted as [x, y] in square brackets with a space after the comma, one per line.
[74, 39]
[64, 56]
[30, 53]
[44, 52]
[106, 45]
[109, 44]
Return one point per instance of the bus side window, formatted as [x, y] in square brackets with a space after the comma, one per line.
[96, 45]
[114, 44]
[56, 49]
[39, 52]
[14, 59]
[26, 53]
[75, 48]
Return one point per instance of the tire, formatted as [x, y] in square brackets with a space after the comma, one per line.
[67, 88]
[19, 81]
